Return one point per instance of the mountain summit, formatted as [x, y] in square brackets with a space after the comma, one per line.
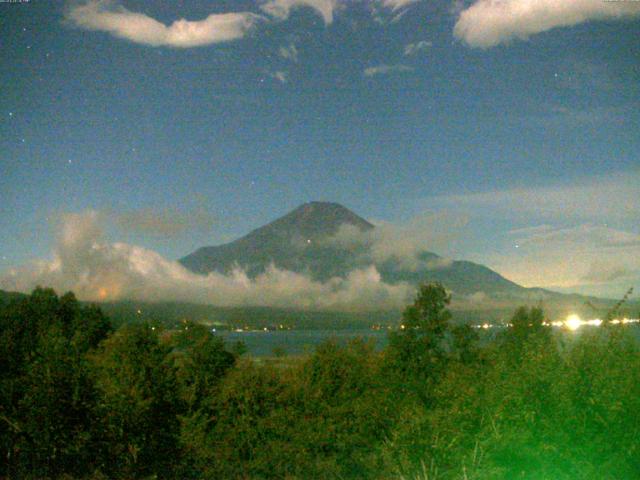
[292, 242]
[313, 220]
[304, 241]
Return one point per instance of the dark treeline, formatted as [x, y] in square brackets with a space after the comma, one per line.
[79, 400]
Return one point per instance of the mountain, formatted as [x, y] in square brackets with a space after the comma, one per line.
[295, 242]
[301, 241]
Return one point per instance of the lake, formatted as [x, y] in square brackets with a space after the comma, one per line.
[296, 342]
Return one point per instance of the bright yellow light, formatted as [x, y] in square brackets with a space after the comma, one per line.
[573, 322]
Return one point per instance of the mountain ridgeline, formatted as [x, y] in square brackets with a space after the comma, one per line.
[295, 242]
[304, 241]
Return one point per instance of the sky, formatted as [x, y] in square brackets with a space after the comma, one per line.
[506, 131]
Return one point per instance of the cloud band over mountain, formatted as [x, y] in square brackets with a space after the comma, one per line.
[97, 270]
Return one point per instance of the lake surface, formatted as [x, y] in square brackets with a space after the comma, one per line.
[296, 342]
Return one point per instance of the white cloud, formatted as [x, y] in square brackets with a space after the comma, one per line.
[389, 11]
[413, 48]
[386, 69]
[566, 234]
[163, 223]
[397, 4]
[87, 264]
[601, 199]
[289, 53]
[281, 9]
[431, 232]
[488, 23]
[281, 76]
[107, 16]
[596, 236]
[586, 255]
[600, 272]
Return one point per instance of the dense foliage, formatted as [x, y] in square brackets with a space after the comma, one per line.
[79, 400]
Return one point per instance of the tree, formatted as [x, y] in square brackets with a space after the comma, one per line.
[527, 326]
[201, 361]
[418, 349]
[465, 343]
[138, 404]
[46, 396]
[56, 409]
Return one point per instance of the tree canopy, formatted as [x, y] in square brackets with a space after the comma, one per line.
[81, 401]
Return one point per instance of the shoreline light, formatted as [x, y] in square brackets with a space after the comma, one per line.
[573, 322]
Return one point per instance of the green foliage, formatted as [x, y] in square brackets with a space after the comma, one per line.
[138, 403]
[429, 313]
[418, 354]
[78, 401]
[417, 349]
[201, 361]
[527, 323]
[529, 407]
[238, 348]
[527, 328]
[46, 396]
[321, 418]
[346, 408]
[236, 437]
[465, 343]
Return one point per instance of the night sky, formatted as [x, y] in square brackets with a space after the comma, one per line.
[511, 128]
